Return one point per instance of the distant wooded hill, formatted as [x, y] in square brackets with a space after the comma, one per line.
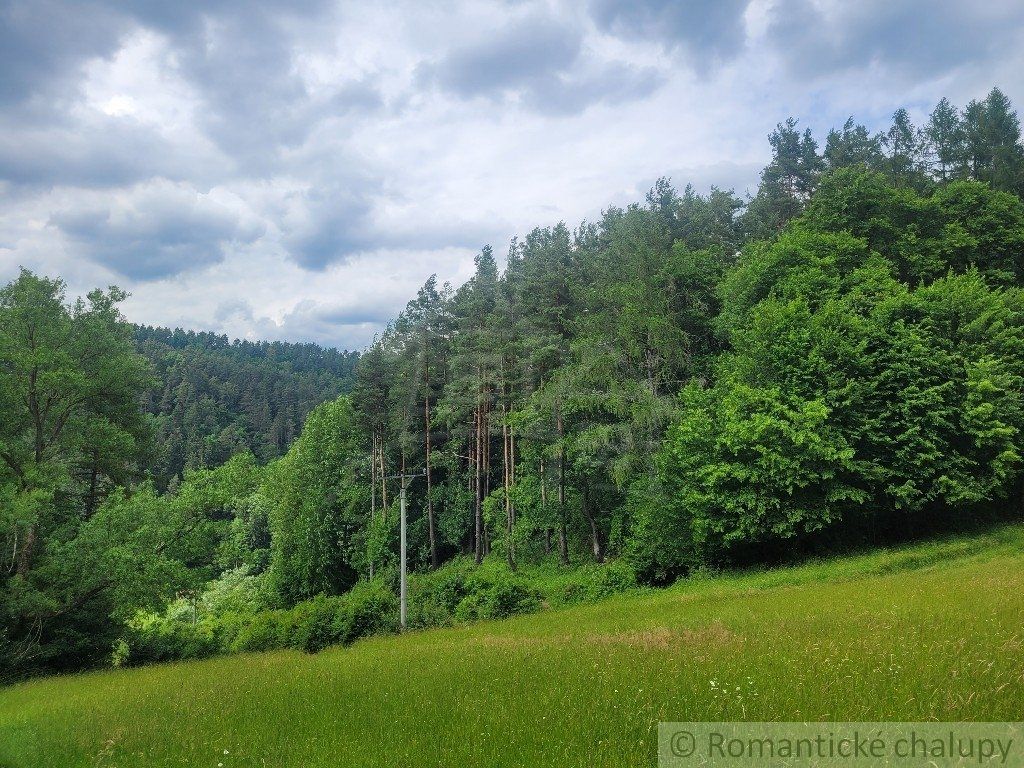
[215, 397]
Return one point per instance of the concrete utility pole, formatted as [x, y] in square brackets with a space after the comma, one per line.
[403, 568]
[403, 580]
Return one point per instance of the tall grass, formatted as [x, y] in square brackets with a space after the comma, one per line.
[933, 631]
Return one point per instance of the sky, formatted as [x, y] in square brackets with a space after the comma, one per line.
[295, 170]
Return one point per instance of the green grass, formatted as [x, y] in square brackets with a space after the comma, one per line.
[933, 631]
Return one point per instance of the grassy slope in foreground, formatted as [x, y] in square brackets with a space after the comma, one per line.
[932, 631]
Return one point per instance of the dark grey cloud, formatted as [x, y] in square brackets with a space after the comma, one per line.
[331, 224]
[706, 31]
[43, 42]
[911, 37]
[355, 96]
[239, 55]
[362, 312]
[239, 308]
[157, 232]
[542, 62]
[337, 222]
[111, 152]
[613, 83]
[519, 56]
[257, 107]
[255, 104]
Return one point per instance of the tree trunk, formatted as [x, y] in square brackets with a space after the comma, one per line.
[373, 485]
[90, 499]
[595, 538]
[512, 470]
[430, 503]
[14, 551]
[485, 436]
[563, 544]
[507, 477]
[544, 506]
[478, 500]
[373, 476]
[469, 542]
[487, 446]
[383, 479]
[25, 555]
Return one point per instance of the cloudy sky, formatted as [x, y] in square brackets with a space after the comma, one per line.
[296, 169]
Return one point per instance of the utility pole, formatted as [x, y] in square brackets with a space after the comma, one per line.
[403, 580]
[403, 568]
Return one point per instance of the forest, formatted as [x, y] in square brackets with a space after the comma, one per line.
[213, 398]
[696, 381]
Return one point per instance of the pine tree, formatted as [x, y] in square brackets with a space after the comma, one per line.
[787, 182]
[903, 151]
[993, 142]
[470, 391]
[946, 142]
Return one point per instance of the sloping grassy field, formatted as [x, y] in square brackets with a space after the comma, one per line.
[933, 631]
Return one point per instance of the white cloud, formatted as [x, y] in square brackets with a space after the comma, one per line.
[270, 170]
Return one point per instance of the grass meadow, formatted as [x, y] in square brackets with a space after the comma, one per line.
[926, 632]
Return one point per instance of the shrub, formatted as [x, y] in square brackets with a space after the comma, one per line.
[153, 639]
[458, 592]
[265, 631]
[494, 592]
[434, 597]
[590, 583]
[312, 622]
[368, 608]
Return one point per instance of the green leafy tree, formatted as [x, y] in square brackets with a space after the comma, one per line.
[70, 427]
[317, 508]
[746, 468]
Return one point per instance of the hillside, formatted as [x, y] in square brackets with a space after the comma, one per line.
[931, 631]
[689, 383]
[215, 397]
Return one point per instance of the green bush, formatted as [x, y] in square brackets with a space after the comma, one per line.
[312, 622]
[612, 579]
[155, 641]
[458, 592]
[494, 592]
[369, 608]
[265, 631]
[434, 597]
[589, 583]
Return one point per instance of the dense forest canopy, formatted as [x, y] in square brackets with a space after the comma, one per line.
[213, 398]
[697, 380]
